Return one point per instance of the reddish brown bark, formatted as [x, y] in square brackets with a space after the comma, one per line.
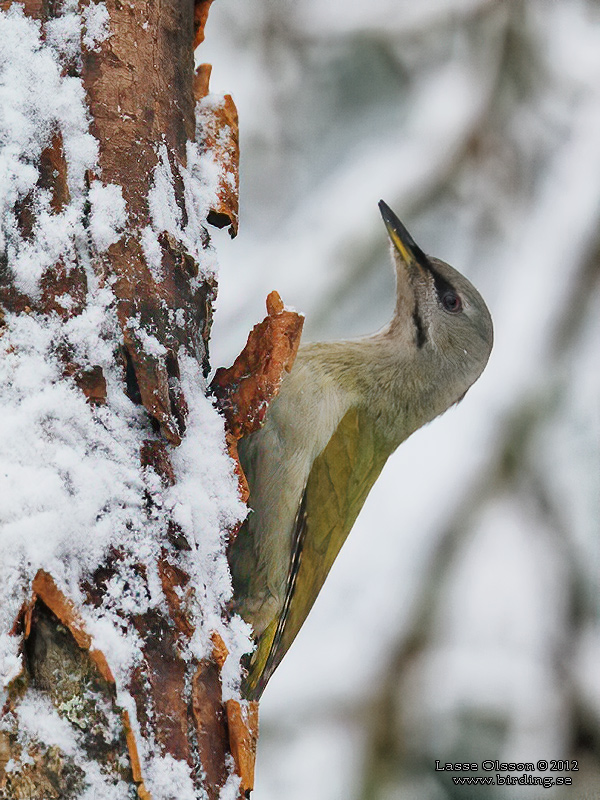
[219, 126]
[200, 16]
[245, 389]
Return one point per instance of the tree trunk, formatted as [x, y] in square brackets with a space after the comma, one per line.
[120, 664]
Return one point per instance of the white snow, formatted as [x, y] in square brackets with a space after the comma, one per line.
[165, 213]
[204, 480]
[36, 101]
[148, 342]
[230, 789]
[40, 720]
[239, 637]
[108, 214]
[200, 181]
[170, 779]
[96, 25]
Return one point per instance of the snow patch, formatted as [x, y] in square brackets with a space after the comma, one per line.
[170, 779]
[108, 214]
[38, 102]
[39, 719]
[200, 182]
[150, 343]
[231, 788]
[96, 25]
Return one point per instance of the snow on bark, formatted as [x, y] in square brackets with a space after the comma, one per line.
[38, 102]
[131, 530]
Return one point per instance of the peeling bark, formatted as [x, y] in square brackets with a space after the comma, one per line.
[245, 390]
[218, 122]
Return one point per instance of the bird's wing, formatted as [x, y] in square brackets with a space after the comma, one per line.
[337, 486]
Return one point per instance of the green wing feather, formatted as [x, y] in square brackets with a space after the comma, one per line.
[337, 487]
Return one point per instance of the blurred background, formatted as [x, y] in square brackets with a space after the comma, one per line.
[461, 620]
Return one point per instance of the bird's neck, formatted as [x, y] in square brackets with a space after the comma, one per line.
[398, 388]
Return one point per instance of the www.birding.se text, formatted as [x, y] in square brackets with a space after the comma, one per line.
[512, 780]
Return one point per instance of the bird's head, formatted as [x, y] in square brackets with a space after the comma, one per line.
[440, 315]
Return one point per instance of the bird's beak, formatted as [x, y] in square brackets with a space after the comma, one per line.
[411, 253]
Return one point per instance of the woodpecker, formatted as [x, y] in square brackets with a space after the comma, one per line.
[342, 410]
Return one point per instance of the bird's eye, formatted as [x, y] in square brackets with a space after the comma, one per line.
[452, 302]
